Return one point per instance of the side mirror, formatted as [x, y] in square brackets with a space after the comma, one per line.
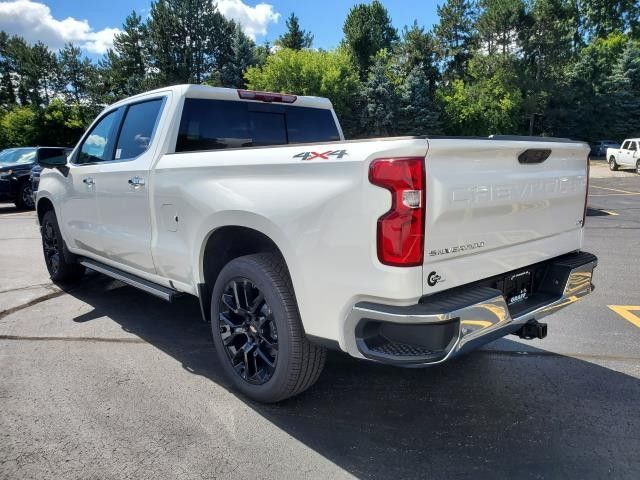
[51, 157]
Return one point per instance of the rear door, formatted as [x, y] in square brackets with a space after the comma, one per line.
[122, 189]
[495, 205]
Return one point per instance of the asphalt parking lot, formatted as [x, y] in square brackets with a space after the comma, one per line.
[104, 381]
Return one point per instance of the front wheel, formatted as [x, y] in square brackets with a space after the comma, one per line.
[257, 330]
[60, 270]
[24, 200]
[613, 166]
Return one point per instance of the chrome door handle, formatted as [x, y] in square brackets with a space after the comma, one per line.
[136, 182]
[88, 181]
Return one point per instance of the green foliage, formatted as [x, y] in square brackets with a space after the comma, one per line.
[380, 99]
[295, 38]
[18, 127]
[488, 103]
[367, 30]
[306, 72]
[455, 36]
[551, 67]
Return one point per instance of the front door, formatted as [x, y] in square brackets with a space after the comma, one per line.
[79, 211]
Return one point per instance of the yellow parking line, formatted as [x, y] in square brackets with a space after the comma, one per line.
[625, 312]
[614, 189]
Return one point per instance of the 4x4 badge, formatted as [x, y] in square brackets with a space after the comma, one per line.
[321, 155]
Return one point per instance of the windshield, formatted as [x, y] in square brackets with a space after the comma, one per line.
[12, 156]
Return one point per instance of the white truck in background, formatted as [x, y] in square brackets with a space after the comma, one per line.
[407, 251]
[627, 156]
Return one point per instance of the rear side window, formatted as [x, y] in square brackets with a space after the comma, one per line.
[218, 124]
[137, 129]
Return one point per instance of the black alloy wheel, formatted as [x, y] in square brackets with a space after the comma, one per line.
[248, 330]
[51, 247]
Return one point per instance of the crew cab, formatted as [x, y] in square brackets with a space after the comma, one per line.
[626, 156]
[406, 251]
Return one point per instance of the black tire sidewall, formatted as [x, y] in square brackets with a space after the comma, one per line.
[612, 164]
[245, 267]
[20, 203]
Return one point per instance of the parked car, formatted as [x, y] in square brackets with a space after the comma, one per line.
[406, 251]
[599, 149]
[15, 173]
[627, 156]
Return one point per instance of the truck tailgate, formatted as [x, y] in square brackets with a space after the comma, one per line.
[488, 213]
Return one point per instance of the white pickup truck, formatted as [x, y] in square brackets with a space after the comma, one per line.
[407, 251]
[626, 156]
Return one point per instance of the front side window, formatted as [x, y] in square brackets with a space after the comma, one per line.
[95, 147]
[632, 146]
[625, 145]
[137, 129]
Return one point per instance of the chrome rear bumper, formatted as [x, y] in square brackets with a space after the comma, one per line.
[450, 323]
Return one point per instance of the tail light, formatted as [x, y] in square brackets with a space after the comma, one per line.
[266, 96]
[586, 194]
[400, 236]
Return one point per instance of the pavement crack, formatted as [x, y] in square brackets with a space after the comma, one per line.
[35, 301]
[72, 339]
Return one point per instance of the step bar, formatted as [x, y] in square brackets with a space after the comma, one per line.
[165, 293]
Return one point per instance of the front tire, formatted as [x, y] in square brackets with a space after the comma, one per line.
[257, 330]
[24, 200]
[60, 270]
[613, 166]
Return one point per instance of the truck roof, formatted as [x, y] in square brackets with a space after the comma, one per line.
[219, 93]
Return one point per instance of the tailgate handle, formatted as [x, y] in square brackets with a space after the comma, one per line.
[534, 155]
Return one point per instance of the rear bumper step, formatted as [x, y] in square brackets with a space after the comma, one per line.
[453, 322]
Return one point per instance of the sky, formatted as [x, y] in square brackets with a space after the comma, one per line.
[91, 24]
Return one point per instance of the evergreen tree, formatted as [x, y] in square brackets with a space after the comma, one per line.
[75, 72]
[186, 38]
[295, 38]
[127, 64]
[418, 115]
[498, 25]
[367, 30]
[418, 50]
[380, 100]
[242, 57]
[455, 36]
[7, 92]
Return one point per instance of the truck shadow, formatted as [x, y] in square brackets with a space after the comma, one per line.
[498, 414]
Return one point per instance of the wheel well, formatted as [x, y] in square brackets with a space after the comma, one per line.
[44, 205]
[223, 245]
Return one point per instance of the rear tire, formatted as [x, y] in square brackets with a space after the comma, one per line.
[613, 166]
[257, 330]
[60, 270]
[638, 167]
[24, 200]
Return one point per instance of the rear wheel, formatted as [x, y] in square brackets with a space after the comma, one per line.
[24, 200]
[53, 248]
[612, 164]
[257, 330]
[638, 167]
